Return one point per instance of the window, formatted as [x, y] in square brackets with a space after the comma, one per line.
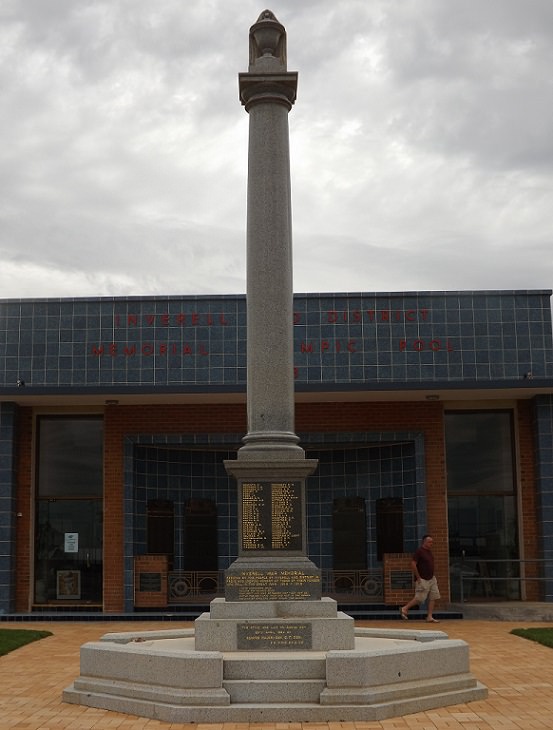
[483, 542]
[70, 462]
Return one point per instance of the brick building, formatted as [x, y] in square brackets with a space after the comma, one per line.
[428, 412]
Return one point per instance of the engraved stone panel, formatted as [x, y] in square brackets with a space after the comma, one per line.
[271, 636]
[272, 585]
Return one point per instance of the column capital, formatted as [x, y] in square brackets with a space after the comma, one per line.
[268, 88]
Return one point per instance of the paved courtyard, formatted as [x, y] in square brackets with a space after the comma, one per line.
[517, 672]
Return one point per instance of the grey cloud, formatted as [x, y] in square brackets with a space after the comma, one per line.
[420, 144]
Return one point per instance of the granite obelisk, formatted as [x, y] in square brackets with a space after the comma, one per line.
[271, 467]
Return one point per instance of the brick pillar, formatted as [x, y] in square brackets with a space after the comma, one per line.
[8, 412]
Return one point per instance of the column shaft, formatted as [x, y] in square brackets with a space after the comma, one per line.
[269, 272]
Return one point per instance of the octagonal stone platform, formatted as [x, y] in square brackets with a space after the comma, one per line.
[170, 675]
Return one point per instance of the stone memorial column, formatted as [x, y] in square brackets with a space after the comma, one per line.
[271, 467]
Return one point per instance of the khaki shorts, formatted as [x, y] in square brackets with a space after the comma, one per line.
[427, 589]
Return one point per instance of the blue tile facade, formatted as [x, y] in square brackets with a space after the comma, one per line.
[347, 339]
[341, 341]
[8, 413]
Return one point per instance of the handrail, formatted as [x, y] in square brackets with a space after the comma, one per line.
[491, 573]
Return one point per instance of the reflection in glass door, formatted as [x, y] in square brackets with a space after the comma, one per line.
[69, 550]
[69, 510]
[483, 538]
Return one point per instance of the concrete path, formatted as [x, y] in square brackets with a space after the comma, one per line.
[517, 672]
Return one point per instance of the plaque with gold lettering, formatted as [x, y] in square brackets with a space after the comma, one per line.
[283, 584]
[274, 636]
[271, 516]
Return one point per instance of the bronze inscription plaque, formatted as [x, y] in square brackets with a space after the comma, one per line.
[271, 636]
[271, 516]
[401, 579]
[149, 582]
[272, 585]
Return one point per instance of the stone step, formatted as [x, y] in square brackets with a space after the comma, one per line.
[264, 691]
[400, 692]
[274, 667]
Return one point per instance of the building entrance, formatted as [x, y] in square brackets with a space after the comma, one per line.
[482, 513]
[69, 511]
[69, 551]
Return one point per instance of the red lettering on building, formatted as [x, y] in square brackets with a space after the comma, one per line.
[181, 319]
[113, 349]
[334, 316]
[329, 346]
[419, 345]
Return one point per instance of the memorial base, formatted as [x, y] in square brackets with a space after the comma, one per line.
[274, 626]
[164, 675]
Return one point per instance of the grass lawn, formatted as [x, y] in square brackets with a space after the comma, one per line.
[11, 639]
[542, 636]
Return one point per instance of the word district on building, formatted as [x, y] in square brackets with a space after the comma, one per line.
[428, 412]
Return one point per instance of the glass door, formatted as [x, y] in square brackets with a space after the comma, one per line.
[69, 510]
[483, 538]
[69, 551]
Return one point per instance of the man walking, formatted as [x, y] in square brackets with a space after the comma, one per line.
[426, 586]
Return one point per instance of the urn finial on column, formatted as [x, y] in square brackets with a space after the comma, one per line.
[267, 45]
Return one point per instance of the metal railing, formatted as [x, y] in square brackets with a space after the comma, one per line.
[502, 579]
[360, 586]
[471, 579]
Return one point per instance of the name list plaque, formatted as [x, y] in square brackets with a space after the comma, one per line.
[271, 516]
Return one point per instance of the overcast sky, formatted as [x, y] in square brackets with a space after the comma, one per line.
[421, 145]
